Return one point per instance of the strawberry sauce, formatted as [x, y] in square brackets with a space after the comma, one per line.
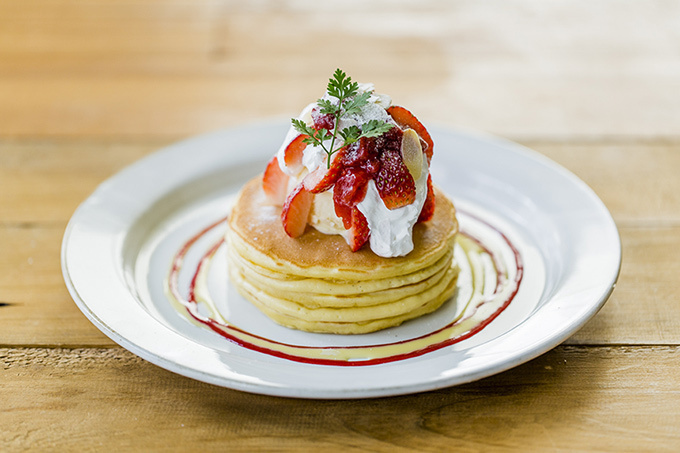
[467, 323]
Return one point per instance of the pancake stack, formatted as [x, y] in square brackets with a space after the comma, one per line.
[316, 283]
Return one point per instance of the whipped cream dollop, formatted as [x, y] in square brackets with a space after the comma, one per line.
[391, 230]
[314, 156]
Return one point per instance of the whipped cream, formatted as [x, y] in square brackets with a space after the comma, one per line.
[391, 230]
[306, 116]
[314, 156]
[322, 215]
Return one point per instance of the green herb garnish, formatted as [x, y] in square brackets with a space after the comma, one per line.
[341, 87]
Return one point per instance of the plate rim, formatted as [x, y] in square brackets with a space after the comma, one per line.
[549, 342]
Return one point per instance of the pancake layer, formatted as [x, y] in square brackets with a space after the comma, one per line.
[316, 283]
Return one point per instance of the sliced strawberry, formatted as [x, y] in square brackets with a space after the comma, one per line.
[322, 120]
[350, 188]
[363, 154]
[393, 181]
[275, 182]
[360, 192]
[406, 119]
[358, 231]
[296, 211]
[323, 178]
[428, 208]
[292, 155]
[345, 213]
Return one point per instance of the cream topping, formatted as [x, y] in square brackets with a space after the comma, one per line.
[391, 230]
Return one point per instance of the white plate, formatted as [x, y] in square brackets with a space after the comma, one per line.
[119, 244]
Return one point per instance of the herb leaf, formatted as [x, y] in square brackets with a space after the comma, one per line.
[375, 128]
[326, 106]
[314, 137]
[341, 87]
[302, 128]
[350, 134]
[354, 105]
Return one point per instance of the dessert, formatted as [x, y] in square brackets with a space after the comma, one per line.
[344, 232]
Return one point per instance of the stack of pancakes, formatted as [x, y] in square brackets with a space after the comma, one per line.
[316, 283]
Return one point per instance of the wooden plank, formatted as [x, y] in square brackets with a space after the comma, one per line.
[645, 304]
[643, 309]
[45, 181]
[106, 27]
[73, 68]
[44, 316]
[89, 86]
[638, 182]
[570, 399]
[35, 307]
[41, 184]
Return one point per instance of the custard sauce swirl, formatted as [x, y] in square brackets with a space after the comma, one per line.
[487, 283]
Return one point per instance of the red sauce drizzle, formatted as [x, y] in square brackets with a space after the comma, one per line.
[224, 329]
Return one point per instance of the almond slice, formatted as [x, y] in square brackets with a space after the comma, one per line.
[412, 153]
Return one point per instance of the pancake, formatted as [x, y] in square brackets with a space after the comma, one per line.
[316, 283]
[338, 293]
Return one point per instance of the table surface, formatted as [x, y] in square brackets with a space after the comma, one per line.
[88, 87]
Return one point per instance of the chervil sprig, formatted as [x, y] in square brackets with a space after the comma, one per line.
[315, 137]
[355, 104]
[349, 102]
[341, 86]
[375, 128]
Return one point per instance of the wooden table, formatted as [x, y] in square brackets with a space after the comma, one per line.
[88, 87]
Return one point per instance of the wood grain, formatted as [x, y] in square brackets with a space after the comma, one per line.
[47, 180]
[637, 181]
[642, 310]
[516, 69]
[571, 399]
[44, 181]
[90, 86]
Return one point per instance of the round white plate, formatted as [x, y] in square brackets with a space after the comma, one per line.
[119, 244]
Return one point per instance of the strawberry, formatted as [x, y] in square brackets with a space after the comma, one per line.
[345, 213]
[362, 154]
[393, 181]
[322, 179]
[275, 182]
[292, 155]
[350, 188]
[358, 231]
[405, 119]
[322, 120]
[428, 208]
[296, 211]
